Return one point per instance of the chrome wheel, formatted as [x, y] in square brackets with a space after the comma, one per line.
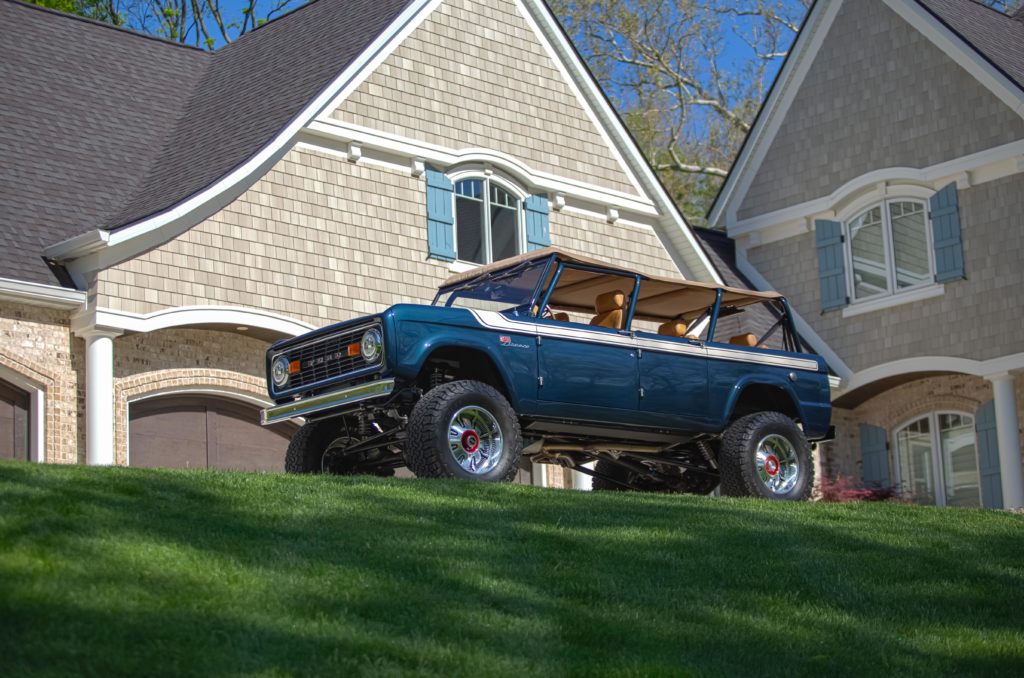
[777, 463]
[474, 439]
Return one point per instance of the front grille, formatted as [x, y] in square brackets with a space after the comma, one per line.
[326, 358]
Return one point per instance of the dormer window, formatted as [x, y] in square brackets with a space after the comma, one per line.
[888, 249]
[487, 222]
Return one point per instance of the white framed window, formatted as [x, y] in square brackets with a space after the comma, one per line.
[937, 459]
[488, 221]
[889, 249]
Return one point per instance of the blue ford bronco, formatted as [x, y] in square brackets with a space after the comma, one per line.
[556, 358]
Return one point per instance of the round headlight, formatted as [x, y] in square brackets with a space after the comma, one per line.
[371, 345]
[279, 371]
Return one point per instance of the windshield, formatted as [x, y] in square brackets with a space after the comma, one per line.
[501, 290]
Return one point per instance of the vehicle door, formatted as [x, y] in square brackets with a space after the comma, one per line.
[589, 371]
[673, 378]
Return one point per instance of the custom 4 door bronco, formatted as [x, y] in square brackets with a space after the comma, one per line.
[556, 358]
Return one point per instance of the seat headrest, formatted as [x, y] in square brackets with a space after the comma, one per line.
[747, 339]
[609, 301]
[672, 328]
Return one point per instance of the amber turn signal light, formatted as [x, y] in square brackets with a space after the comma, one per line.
[294, 366]
[353, 350]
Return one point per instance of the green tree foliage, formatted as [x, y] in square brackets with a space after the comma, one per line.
[100, 10]
[688, 77]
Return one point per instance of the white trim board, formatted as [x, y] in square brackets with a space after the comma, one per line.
[328, 134]
[978, 368]
[124, 321]
[969, 170]
[99, 249]
[803, 54]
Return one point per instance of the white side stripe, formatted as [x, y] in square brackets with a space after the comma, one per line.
[496, 321]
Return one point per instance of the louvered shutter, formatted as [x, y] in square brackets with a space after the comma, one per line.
[538, 229]
[831, 264]
[988, 456]
[949, 250]
[440, 216]
[874, 454]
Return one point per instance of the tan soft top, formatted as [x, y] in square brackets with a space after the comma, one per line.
[661, 299]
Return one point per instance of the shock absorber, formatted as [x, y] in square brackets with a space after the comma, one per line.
[436, 378]
[364, 425]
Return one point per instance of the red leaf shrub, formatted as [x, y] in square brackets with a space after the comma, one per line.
[844, 489]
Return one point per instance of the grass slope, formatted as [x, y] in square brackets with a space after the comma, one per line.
[123, 571]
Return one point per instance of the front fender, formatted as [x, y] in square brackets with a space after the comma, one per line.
[514, 360]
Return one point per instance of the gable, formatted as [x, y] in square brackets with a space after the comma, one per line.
[475, 75]
[879, 94]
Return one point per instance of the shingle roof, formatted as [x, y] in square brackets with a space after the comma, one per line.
[996, 36]
[84, 109]
[101, 127]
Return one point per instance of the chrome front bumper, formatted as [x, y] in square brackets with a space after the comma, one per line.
[346, 396]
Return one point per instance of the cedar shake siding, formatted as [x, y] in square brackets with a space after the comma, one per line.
[321, 240]
[474, 75]
[879, 94]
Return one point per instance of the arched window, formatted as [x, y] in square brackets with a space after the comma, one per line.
[937, 460]
[888, 248]
[487, 221]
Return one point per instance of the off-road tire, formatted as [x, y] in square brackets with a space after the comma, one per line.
[738, 457]
[306, 449]
[427, 452]
[688, 483]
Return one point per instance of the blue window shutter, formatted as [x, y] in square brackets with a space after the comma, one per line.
[874, 454]
[831, 264]
[440, 217]
[538, 228]
[949, 249]
[988, 456]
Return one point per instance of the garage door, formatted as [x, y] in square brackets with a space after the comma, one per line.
[13, 422]
[204, 432]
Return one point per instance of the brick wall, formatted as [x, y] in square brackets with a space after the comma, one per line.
[473, 75]
[36, 344]
[976, 318]
[878, 95]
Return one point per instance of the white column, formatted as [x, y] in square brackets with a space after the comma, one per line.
[99, 396]
[1008, 435]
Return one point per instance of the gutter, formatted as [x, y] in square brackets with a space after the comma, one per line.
[36, 294]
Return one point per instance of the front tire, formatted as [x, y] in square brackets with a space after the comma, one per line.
[319, 447]
[464, 429]
[766, 455]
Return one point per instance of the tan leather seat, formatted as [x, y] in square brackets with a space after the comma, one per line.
[562, 317]
[747, 339]
[609, 308]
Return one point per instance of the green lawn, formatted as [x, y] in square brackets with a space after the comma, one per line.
[122, 571]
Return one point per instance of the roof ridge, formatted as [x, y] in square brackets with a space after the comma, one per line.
[103, 24]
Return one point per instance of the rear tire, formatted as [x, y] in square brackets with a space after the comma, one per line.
[464, 429]
[766, 455]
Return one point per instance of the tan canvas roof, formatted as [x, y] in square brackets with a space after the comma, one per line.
[660, 298]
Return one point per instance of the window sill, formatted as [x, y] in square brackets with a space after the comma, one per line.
[907, 297]
[462, 266]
